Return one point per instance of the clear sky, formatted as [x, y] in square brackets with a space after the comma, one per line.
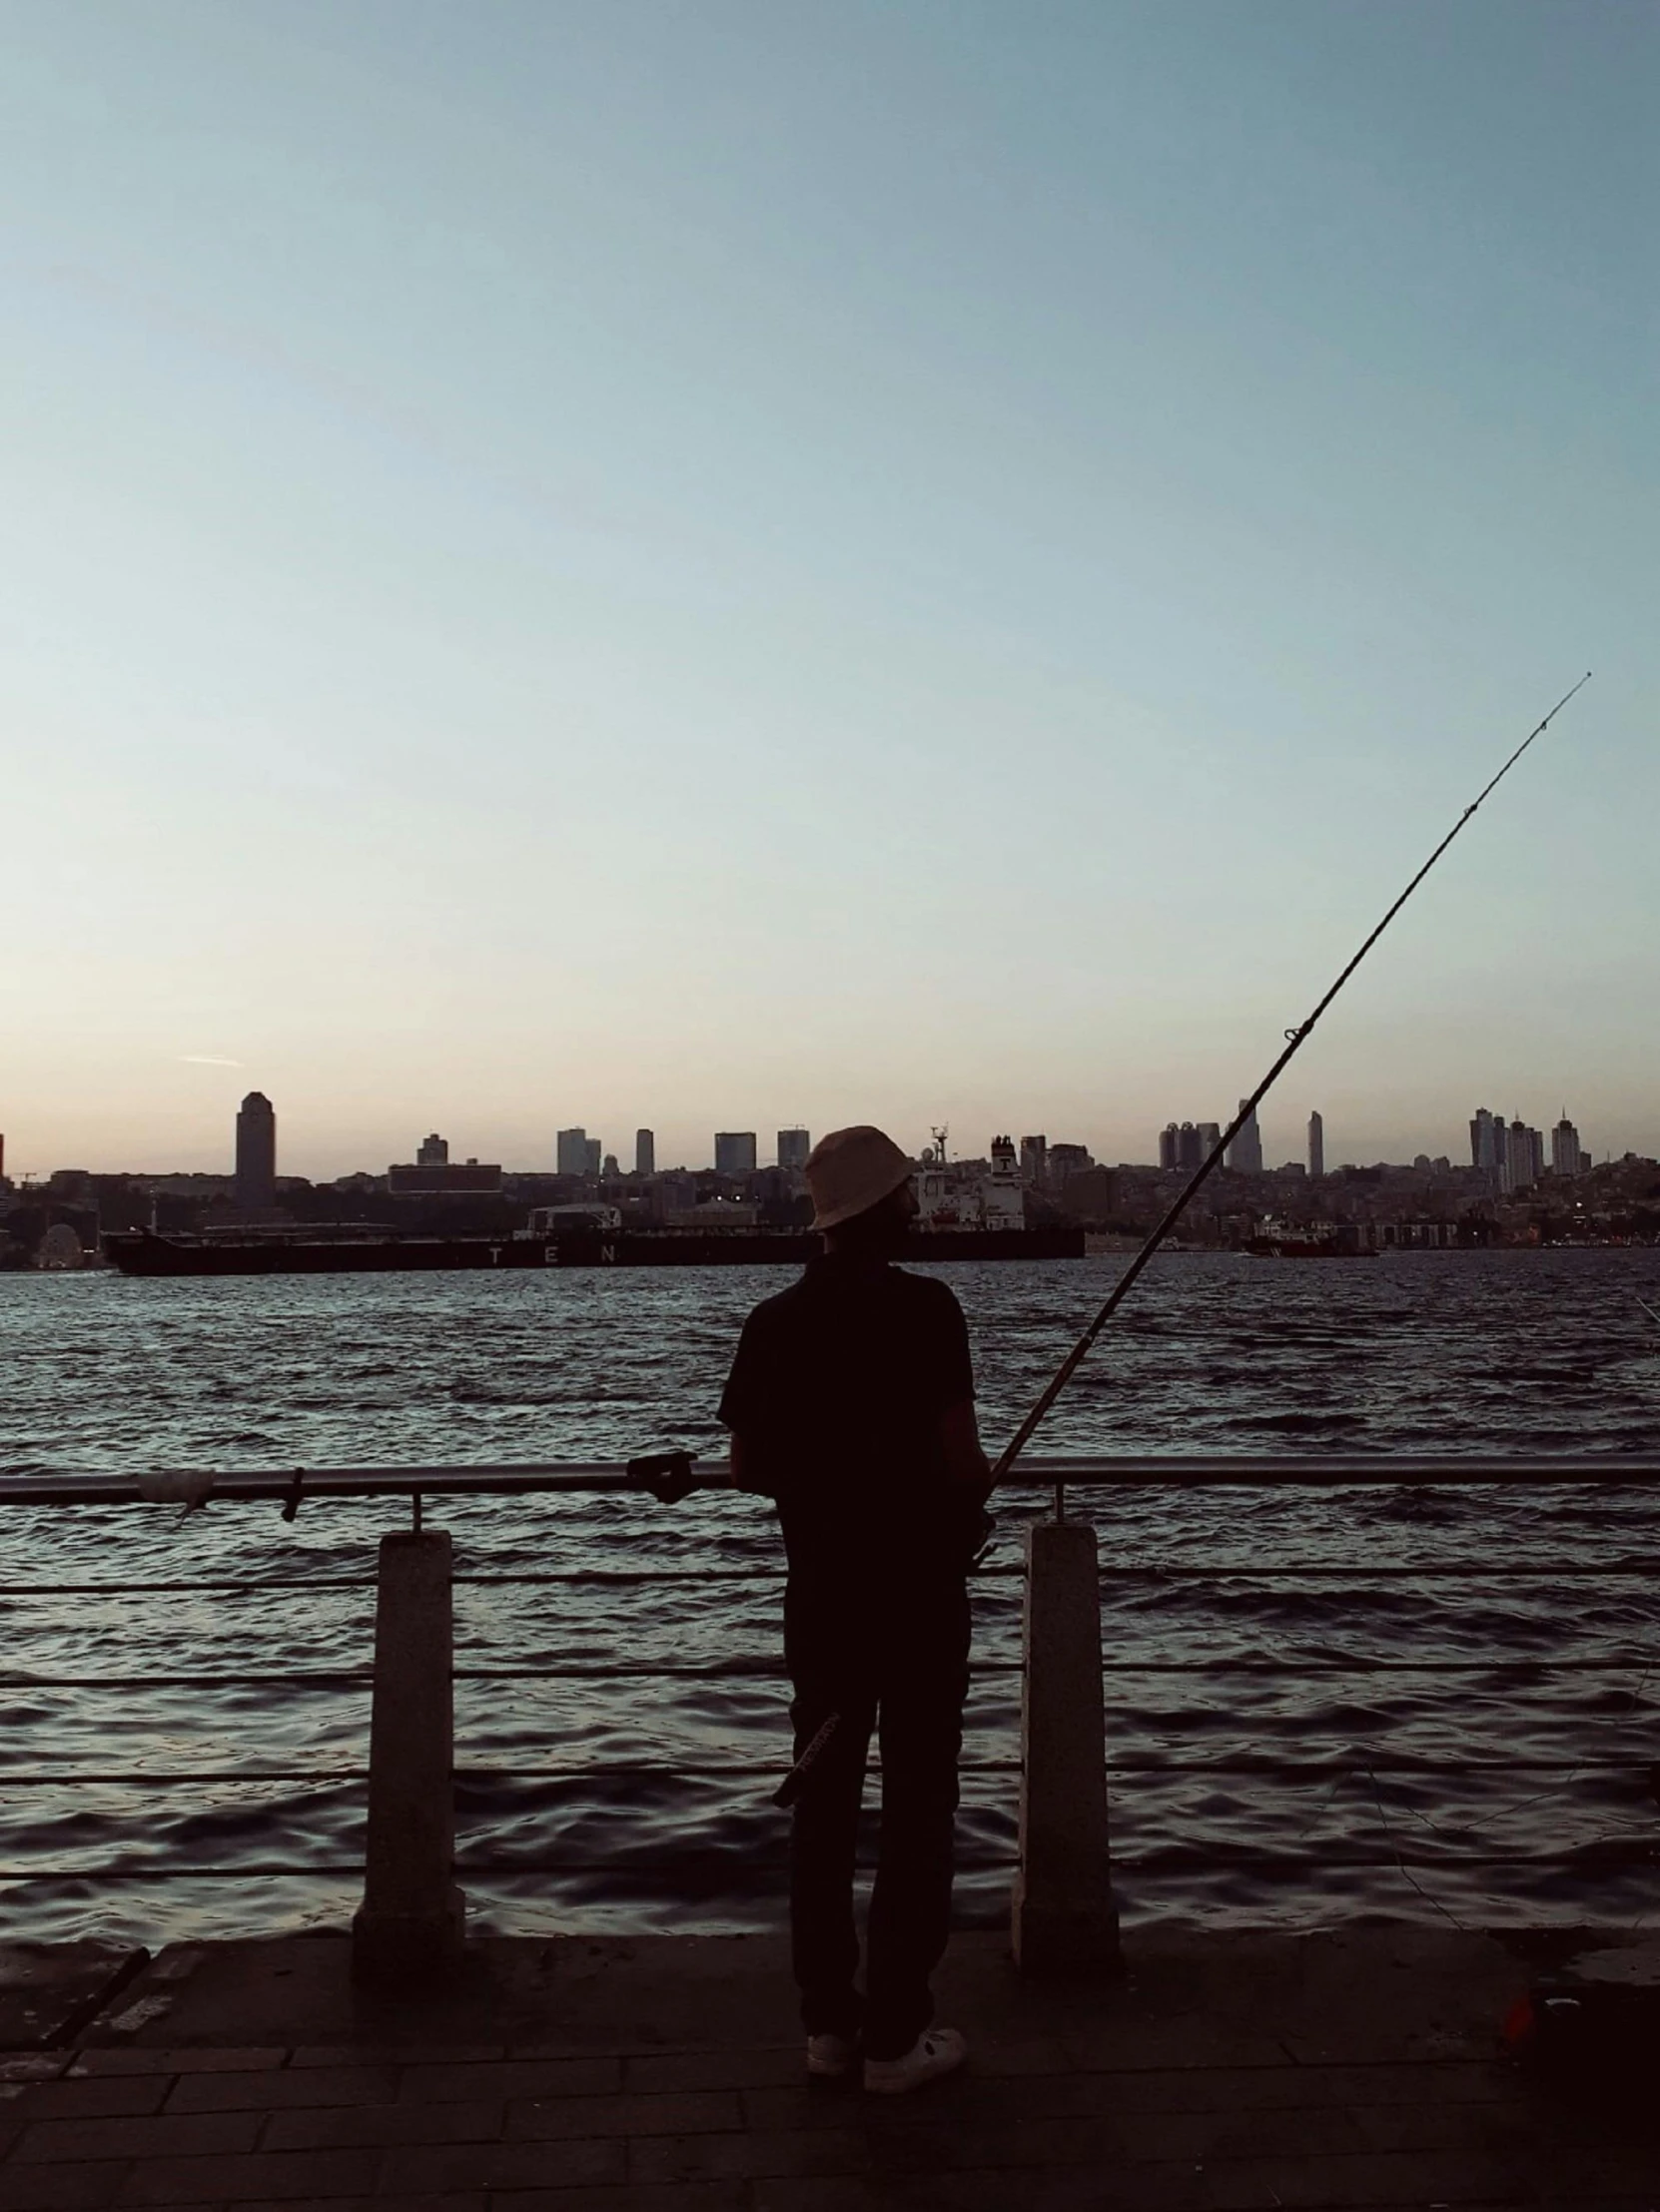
[721, 565]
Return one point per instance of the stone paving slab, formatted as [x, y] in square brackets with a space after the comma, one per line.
[1350, 2070]
[49, 1991]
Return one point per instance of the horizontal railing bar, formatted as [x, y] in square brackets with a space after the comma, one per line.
[1383, 1571]
[173, 1486]
[1633, 1850]
[160, 1589]
[530, 1478]
[1289, 1770]
[760, 1670]
[1357, 1664]
[291, 1677]
[243, 1584]
[467, 1777]
[760, 1571]
[1204, 1569]
[48, 1779]
[362, 1679]
[765, 1670]
[352, 1869]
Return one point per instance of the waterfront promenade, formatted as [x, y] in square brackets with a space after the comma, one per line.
[1358, 2066]
[1352, 2068]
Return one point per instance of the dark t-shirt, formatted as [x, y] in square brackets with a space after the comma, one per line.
[837, 1393]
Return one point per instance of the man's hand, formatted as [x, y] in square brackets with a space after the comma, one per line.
[669, 1476]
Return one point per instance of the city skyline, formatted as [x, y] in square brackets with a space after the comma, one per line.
[1177, 1146]
[927, 567]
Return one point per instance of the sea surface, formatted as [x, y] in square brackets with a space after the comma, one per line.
[1341, 1728]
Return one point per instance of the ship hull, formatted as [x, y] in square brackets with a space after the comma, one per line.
[1286, 1248]
[142, 1253]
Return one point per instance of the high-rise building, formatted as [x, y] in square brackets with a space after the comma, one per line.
[1245, 1154]
[608, 1169]
[1526, 1156]
[592, 1158]
[1486, 1141]
[645, 1152]
[1512, 1153]
[572, 1156]
[257, 1152]
[1034, 1160]
[793, 1147]
[1316, 1144]
[1564, 1146]
[1186, 1147]
[1500, 1146]
[734, 1152]
[433, 1151]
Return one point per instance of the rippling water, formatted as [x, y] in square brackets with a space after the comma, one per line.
[1503, 1745]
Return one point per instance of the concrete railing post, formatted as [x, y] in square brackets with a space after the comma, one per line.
[413, 1915]
[1064, 1919]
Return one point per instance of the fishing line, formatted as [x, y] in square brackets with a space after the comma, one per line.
[1294, 1041]
[1401, 1867]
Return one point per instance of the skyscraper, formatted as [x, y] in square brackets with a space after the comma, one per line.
[593, 1156]
[1189, 1144]
[645, 1152]
[433, 1151]
[1564, 1146]
[1528, 1155]
[1488, 1147]
[1499, 1144]
[1034, 1160]
[1209, 1134]
[793, 1147]
[1316, 1144]
[734, 1152]
[572, 1156]
[1245, 1154]
[1169, 1144]
[256, 1152]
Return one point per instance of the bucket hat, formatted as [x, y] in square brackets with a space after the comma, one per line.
[850, 1170]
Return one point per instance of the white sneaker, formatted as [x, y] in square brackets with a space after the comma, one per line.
[937, 2051]
[831, 2055]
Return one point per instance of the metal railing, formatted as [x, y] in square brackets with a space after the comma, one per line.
[296, 1490]
[1324, 1470]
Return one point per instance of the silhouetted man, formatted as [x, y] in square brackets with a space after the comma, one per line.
[851, 1402]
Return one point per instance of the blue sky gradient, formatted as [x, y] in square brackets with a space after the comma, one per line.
[716, 566]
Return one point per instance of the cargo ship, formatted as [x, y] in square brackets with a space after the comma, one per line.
[1306, 1247]
[301, 1250]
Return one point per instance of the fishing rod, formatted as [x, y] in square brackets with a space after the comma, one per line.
[1294, 1041]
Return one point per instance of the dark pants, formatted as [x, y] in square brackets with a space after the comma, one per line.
[894, 1659]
